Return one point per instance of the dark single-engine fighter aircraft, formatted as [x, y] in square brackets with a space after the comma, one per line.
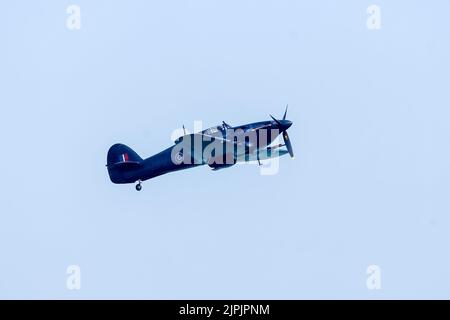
[220, 147]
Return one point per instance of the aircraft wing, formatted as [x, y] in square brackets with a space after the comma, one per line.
[261, 127]
[212, 138]
[197, 142]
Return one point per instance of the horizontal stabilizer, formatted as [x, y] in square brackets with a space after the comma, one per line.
[125, 164]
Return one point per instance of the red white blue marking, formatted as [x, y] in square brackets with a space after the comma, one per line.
[124, 157]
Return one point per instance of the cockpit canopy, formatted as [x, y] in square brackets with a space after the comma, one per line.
[213, 131]
[220, 128]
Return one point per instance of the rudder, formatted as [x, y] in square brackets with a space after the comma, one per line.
[121, 160]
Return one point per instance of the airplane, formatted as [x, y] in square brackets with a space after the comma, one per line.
[220, 147]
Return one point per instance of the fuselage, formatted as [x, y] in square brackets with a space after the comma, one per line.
[256, 136]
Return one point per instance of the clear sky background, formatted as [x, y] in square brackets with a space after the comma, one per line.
[369, 184]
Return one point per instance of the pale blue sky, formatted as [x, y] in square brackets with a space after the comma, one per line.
[369, 184]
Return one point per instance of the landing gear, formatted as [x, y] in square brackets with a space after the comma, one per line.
[139, 186]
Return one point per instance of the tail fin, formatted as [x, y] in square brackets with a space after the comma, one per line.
[121, 160]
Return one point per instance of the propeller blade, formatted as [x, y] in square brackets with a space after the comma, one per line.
[285, 112]
[279, 123]
[287, 142]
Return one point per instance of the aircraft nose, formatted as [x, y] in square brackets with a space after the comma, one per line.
[285, 124]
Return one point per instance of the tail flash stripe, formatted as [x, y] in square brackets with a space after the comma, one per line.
[124, 157]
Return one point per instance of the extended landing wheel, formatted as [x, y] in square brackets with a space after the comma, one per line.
[139, 186]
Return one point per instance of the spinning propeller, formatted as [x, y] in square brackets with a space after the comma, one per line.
[284, 125]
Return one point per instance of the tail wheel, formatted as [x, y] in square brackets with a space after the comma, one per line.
[139, 187]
